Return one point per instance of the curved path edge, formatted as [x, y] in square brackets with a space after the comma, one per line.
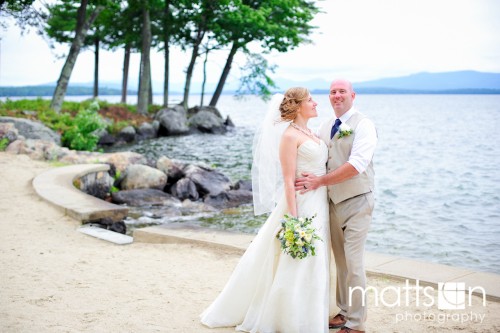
[56, 186]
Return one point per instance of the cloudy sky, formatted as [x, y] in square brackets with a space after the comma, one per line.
[357, 39]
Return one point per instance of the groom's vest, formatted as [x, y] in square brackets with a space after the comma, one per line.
[339, 150]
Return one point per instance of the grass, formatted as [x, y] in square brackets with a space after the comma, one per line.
[3, 144]
[118, 115]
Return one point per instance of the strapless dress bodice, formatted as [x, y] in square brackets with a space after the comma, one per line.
[312, 157]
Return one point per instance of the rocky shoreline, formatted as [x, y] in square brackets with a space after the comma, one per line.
[170, 121]
[167, 186]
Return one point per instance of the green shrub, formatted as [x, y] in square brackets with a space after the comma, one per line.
[81, 135]
[60, 122]
[3, 144]
[75, 122]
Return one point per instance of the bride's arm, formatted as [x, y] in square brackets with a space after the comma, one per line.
[288, 159]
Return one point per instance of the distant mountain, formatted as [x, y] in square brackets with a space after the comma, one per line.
[438, 81]
[460, 82]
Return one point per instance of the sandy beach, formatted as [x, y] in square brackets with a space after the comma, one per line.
[55, 279]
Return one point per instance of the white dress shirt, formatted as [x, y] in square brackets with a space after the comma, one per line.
[364, 142]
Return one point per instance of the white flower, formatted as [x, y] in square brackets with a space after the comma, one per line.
[308, 238]
[344, 127]
[344, 130]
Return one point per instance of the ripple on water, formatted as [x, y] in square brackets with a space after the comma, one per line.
[390, 193]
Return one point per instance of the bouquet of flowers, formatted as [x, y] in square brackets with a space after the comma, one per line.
[297, 236]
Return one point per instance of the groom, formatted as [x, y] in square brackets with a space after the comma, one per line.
[351, 139]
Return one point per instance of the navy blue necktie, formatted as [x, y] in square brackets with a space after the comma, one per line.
[335, 128]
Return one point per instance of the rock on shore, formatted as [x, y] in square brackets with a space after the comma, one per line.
[139, 181]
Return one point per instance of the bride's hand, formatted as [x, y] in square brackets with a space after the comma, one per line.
[306, 183]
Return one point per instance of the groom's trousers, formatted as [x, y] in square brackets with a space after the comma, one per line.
[349, 224]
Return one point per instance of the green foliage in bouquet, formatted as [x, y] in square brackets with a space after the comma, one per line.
[297, 236]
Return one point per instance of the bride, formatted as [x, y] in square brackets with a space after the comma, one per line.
[269, 291]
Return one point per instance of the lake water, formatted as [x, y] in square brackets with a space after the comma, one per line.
[437, 173]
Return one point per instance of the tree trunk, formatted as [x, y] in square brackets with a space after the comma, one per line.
[126, 64]
[139, 78]
[82, 27]
[224, 75]
[96, 68]
[190, 69]
[142, 100]
[150, 94]
[167, 53]
[204, 77]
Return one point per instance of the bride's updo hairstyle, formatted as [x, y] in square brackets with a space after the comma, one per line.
[291, 102]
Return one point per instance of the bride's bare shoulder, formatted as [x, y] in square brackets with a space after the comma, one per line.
[290, 134]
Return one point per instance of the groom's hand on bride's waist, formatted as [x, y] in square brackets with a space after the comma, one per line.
[306, 183]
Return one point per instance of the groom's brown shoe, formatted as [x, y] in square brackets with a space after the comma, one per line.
[337, 321]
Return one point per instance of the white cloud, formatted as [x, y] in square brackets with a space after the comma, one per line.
[357, 39]
[365, 40]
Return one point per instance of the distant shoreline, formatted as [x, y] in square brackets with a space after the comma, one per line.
[386, 91]
[444, 83]
[47, 91]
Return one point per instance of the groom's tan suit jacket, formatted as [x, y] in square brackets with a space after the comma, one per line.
[339, 150]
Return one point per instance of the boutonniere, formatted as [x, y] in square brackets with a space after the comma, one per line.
[344, 130]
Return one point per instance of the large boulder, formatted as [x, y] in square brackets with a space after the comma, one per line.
[185, 189]
[173, 121]
[8, 131]
[97, 184]
[208, 181]
[146, 131]
[207, 122]
[37, 149]
[106, 139]
[172, 168]
[126, 134]
[229, 199]
[139, 176]
[33, 130]
[156, 126]
[145, 198]
[194, 110]
[243, 185]
[228, 122]
[122, 160]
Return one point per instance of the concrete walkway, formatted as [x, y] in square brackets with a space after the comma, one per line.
[56, 186]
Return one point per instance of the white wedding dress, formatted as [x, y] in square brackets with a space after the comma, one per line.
[270, 291]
